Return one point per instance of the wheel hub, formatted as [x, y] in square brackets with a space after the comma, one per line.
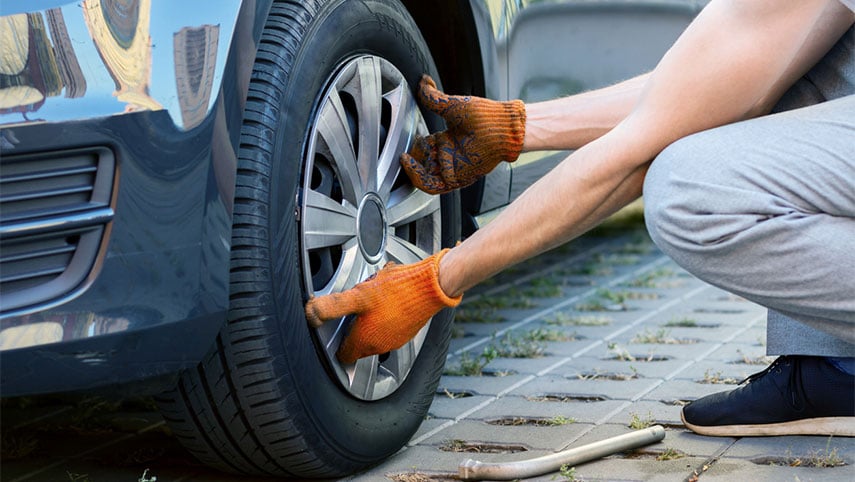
[371, 227]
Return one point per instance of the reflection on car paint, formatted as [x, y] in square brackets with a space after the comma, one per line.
[119, 44]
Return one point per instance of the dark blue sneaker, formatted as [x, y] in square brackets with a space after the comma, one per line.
[795, 395]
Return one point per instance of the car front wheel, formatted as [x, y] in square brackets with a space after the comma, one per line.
[321, 204]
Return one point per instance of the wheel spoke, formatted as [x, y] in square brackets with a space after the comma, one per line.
[365, 87]
[352, 269]
[334, 131]
[403, 359]
[404, 252]
[408, 204]
[364, 376]
[406, 122]
[326, 222]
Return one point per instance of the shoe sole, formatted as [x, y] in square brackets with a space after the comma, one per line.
[837, 426]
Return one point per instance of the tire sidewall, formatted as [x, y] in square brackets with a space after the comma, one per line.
[361, 431]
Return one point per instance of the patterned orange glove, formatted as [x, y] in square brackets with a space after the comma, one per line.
[480, 134]
[391, 307]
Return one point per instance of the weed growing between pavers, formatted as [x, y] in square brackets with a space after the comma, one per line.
[498, 373]
[654, 279]
[455, 394]
[458, 445]
[660, 337]
[670, 454]
[562, 398]
[594, 304]
[546, 287]
[541, 334]
[719, 311]
[500, 302]
[818, 458]
[567, 473]
[469, 365]
[688, 322]
[515, 346]
[599, 265]
[610, 300]
[563, 319]
[621, 354]
[636, 422]
[615, 376]
[591, 268]
[758, 360]
[660, 455]
[556, 421]
[476, 315]
[416, 476]
[715, 378]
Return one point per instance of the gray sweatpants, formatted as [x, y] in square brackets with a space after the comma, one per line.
[766, 209]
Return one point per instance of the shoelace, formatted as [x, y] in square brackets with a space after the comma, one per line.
[794, 384]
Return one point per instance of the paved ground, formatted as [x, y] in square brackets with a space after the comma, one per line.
[573, 347]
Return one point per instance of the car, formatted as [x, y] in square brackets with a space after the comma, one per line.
[178, 178]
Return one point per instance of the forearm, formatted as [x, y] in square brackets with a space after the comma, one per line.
[708, 56]
[573, 121]
[573, 198]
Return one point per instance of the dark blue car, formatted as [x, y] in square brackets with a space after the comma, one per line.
[178, 177]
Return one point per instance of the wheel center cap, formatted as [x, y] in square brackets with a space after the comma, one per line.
[371, 227]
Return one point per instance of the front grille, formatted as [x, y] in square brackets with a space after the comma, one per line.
[54, 208]
[52, 186]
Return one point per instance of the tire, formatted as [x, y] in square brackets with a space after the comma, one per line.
[270, 398]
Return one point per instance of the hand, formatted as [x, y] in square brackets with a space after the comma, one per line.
[480, 134]
[391, 307]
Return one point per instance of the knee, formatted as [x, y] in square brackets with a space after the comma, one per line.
[677, 199]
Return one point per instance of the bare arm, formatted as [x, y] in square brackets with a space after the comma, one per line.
[733, 62]
[573, 121]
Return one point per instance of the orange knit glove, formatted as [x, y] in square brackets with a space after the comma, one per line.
[480, 134]
[391, 307]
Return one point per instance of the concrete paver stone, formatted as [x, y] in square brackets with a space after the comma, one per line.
[613, 292]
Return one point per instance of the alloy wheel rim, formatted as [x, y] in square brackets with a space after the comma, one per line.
[358, 210]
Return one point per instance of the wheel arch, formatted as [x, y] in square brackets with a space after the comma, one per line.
[453, 42]
[463, 59]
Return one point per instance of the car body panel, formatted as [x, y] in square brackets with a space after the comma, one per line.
[161, 87]
[170, 114]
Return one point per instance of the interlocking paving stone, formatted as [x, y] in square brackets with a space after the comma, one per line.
[482, 385]
[582, 411]
[529, 437]
[728, 338]
[589, 379]
[729, 469]
[447, 407]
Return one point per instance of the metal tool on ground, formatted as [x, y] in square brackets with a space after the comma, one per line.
[475, 470]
